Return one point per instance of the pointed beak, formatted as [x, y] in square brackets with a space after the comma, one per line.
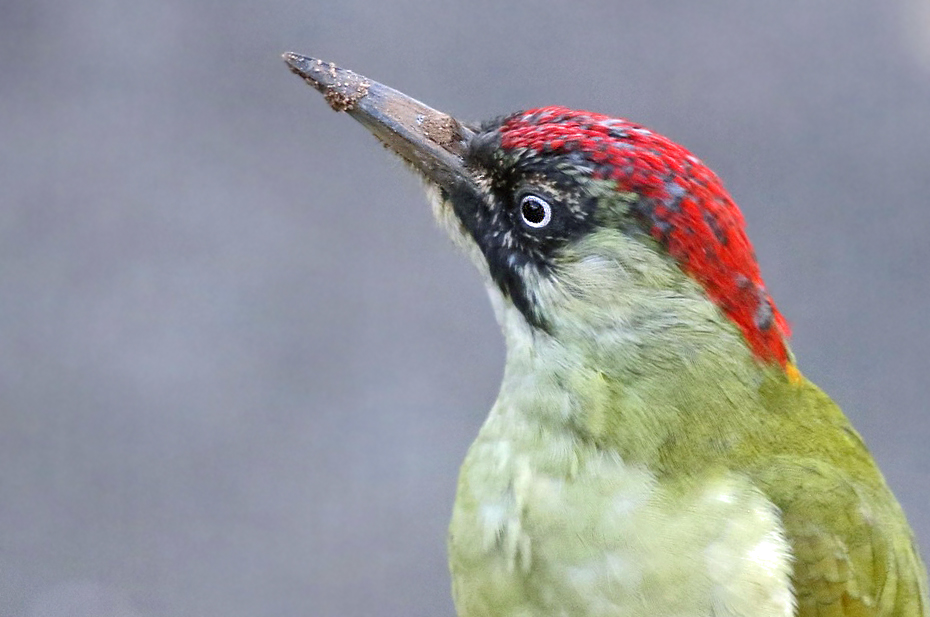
[431, 141]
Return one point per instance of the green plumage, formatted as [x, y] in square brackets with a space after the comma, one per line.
[639, 456]
[644, 457]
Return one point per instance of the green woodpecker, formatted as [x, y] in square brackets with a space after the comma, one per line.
[653, 451]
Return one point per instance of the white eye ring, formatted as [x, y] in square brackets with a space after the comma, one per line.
[535, 211]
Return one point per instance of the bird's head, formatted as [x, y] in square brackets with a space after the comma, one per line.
[586, 225]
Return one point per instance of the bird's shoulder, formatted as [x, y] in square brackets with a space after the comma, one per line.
[853, 551]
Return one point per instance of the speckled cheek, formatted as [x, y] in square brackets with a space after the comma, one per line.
[447, 219]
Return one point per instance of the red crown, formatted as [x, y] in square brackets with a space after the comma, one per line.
[684, 207]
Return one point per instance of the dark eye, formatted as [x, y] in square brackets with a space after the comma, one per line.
[535, 211]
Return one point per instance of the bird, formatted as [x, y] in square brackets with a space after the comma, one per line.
[654, 449]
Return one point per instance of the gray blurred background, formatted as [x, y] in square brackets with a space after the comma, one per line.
[239, 365]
